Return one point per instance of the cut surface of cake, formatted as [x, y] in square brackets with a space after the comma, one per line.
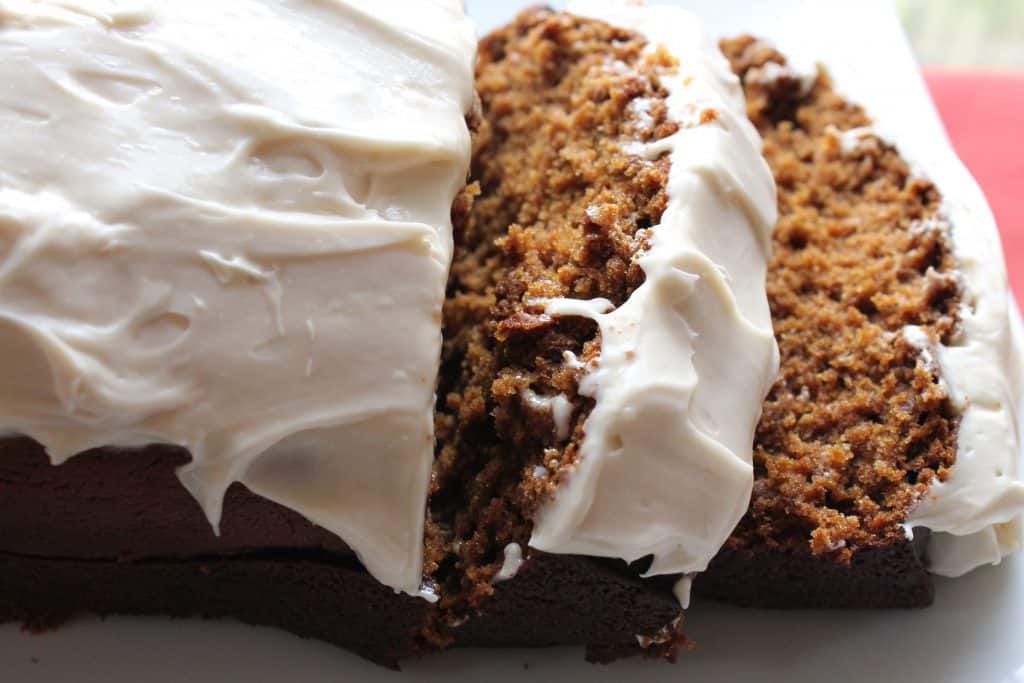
[893, 419]
[608, 341]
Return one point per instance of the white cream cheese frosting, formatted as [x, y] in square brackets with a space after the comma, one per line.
[225, 225]
[976, 514]
[665, 468]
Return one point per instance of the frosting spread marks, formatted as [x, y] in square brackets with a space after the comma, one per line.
[225, 226]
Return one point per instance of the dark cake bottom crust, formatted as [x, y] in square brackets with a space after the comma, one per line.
[340, 604]
[572, 600]
[113, 532]
[892, 576]
[554, 601]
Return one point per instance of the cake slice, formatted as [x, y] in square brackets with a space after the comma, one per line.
[607, 334]
[888, 448]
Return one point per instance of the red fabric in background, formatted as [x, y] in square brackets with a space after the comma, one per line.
[984, 114]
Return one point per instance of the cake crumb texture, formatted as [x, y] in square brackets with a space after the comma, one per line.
[561, 209]
[859, 423]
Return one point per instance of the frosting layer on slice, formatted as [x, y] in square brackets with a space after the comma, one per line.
[665, 466]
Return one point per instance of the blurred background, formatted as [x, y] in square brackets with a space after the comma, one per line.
[972, 52]
[966, 33]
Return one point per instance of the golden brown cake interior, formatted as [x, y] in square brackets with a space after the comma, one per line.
[561, 212]
[858, 423]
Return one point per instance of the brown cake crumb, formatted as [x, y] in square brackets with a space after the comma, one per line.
[561, 212]
[858, 424]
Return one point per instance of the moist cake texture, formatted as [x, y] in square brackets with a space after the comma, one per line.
[860, 253]
[560, 212]
[609, 172]
[859, 423]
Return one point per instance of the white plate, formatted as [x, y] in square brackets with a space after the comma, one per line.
[972, 633]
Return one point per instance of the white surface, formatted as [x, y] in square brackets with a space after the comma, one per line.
[972, 633]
